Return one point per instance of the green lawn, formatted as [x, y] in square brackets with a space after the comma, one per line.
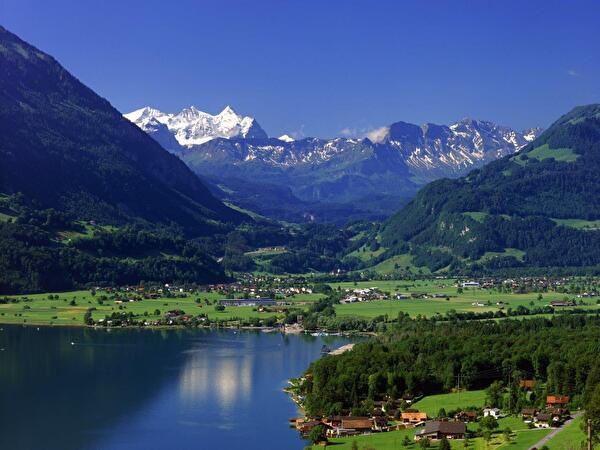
[433, 403]
[569, 437]
[39, 310]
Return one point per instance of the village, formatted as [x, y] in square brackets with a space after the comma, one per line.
[467, 423]
[294, 303]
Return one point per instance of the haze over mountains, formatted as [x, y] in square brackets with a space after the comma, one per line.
[349, 177]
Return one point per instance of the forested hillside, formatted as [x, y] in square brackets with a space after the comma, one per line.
[538, 208]
[420, 357]
[64, 147]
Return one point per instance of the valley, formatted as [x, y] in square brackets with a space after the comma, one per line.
[174, 278]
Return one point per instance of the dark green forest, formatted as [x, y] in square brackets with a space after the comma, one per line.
[422, 357]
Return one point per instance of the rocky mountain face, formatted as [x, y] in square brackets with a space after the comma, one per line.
[372, 173]
[191, 127]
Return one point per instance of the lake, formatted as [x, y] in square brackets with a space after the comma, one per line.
[76, 388]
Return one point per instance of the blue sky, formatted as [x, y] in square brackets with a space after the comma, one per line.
[327, 67]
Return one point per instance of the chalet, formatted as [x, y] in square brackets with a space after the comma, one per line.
[562, 304]
[174, 313]
[349, 426]
[543, 421]
[248, 302]
[493, 412]
[306, 427]
[436, 429]
[528, 414]
[557, 401]
[466, 416]
[527, 384]
[413, 417]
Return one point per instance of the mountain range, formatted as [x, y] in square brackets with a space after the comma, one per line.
[537, 208]
[327, 179]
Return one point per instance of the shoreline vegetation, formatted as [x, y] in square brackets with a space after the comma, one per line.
[505, 383]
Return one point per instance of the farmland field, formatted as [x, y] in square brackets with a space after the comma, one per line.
[474, 300]
[433, 403]
[38, 309]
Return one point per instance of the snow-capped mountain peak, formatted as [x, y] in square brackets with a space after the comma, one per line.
[192, 127]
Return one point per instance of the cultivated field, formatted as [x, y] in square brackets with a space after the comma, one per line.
[470, 299]
[39, 309]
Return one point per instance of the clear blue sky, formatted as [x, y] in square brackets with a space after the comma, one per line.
[321, 66]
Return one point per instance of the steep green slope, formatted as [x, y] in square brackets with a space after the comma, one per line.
[64, 147]
[525, 202]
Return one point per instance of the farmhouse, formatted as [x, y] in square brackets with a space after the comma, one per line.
[466, 416]
[528, 414]
[527, 384]
[562, 304]
[543, 421]
[248, 302]
[436, 429]
[557, 401]
[348, 426]
[413, 417]
[493, 412]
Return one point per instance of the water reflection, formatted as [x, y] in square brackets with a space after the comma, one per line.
[128, 389]
[225, 376]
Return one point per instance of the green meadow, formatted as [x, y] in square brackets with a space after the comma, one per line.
[460, 302]
[38, 309]
[521, 438]
[456, 400]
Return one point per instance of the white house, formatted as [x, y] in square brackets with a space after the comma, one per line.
[493, 412]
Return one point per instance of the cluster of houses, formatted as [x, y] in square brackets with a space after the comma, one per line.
[419, 295]
[554, 415]
[389, 419]
[363, 295]
[255, 302]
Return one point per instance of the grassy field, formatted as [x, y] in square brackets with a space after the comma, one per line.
[429, 307]
[519, 254]
[544, 152]
[38, 309]
[570, 437]
[579, 224]
[399, 262]
[433, 403]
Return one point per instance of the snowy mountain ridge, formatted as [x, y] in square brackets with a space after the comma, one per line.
[194, 127]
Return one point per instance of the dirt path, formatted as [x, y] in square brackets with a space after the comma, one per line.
[546, 438]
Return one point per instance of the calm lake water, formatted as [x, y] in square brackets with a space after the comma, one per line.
[142, 389]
